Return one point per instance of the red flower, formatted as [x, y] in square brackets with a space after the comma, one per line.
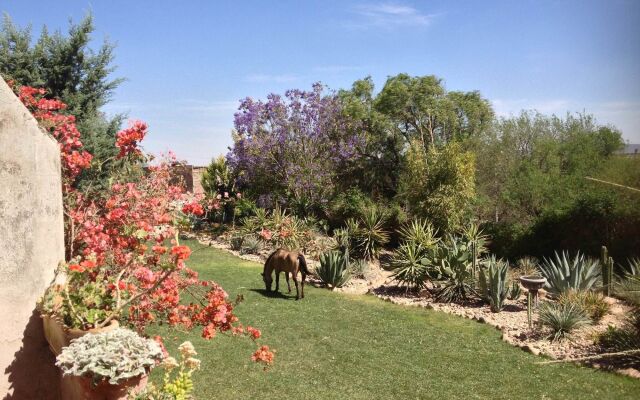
[255, 333]
[76, 268]
[264, 355]
[160, 250]
[181, 252]
[266, 234]
[88, 264]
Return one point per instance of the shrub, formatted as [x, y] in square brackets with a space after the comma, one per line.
[494, 286]
[359, 268]
[453, 265]
[251, 245]
[528, 266]
[115, 356]
[367, 235]
[334, 269]
[236, 242]
[629, 289]
[564, 273]
[351, 203]
[624, 338]
[409, 264]
[592, 303]
[419, 231]
[516, 291]
[562, 319]
[631, 268]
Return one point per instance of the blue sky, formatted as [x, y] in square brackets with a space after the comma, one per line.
[189, 62]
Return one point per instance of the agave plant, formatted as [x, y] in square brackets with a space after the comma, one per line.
[334, 269]
[494, 288]
[564, 273]
[419, 231]
[251, 245]
[562, 319]
[592, 303]
[515, 292]
[625, 271]
[454, 266]
[527, 265]
[359, 267]
[409, 263]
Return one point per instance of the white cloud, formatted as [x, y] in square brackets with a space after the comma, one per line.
[388, 15]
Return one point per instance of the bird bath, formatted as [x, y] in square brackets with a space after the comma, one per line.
[532, 283]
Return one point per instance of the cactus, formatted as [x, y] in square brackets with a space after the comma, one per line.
[334, 269]
[606, 264]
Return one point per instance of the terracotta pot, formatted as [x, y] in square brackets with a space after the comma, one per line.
[82, 388]
[59, 336]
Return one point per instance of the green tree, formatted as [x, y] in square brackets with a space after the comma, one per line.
[438, 184]
[218, 177]
[70, 70]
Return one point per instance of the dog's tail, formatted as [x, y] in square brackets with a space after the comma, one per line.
[303, 264]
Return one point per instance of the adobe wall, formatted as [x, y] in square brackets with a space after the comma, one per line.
[31, 246]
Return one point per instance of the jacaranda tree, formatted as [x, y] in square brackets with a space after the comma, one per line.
[290, 148]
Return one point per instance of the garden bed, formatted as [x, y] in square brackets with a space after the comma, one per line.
[511, 321]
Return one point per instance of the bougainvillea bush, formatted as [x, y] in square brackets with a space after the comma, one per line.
[124, 259]
[290, 149]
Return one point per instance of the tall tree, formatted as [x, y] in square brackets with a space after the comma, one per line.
[70, 70]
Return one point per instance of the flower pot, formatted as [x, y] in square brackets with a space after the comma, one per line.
[82, 388]
[59, 336]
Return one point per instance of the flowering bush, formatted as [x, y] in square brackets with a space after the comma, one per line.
[292, 147]
[124, 257]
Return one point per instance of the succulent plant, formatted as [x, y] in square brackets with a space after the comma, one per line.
[562, 319]
[251, 245]
[115, 356]
[496, 283]
[409, 263]
[592, 303]
[334, 268]
[564, 273]
[454, 266]
[515, 292]
[359, 267]
[236, 242]
[419, 231]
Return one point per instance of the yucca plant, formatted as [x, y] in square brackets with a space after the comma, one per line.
[631, 268]
[494, 278]
[409, 263]
[562, 319]
[419, 231]
[370, 234]
[334, 269]
[528, 265]
[564, 273]
[454, 267]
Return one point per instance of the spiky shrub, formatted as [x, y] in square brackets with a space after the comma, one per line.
[409, 264]
[369, 233]
[629, 289]
[592, 303]
[454, 267]
[564, 273]
[515, 292]
[114, 356]
[624, 339]
[562, 319]
[419, 231]
[334, 269]
[630, 269]
[494, 274]
[251, 245]
[527, 266]
[236, 242]
[359, 267]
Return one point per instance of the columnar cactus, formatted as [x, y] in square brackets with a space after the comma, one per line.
[606, 264]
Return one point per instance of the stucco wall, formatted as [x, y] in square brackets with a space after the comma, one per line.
[31, 246]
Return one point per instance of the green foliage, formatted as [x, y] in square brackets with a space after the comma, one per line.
[236, 242]
[437, 184]
[359, 268]
[115, 356]
[624, 338]
[592, 303]
[69, 69]
[495, 289]
[218, 177]
[251, 245]
[453, 265]
[564, 273]
[367, 235]
[334, 269]
[419, 231]
[410, 263]
[630, 269]
[515, 292]
[352, 203]
[629, 289]
[528, 266]
[562, 319]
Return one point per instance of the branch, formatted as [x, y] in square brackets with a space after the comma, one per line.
[612, 183]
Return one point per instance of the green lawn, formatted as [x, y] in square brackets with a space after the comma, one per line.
[337, 346]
